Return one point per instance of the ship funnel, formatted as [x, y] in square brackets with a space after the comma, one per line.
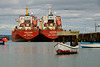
[26, 10]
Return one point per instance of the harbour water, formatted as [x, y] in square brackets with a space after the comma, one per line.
[42, 54]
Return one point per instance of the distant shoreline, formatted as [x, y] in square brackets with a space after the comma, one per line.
[7, 36]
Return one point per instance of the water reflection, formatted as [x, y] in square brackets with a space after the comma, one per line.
[66, 54]
[25, 50]
[43, 54]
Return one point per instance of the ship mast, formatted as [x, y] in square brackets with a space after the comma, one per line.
[50, 12]
[26, 10]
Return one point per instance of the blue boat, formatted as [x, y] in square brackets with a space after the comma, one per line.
[2, 42]
[90, 44]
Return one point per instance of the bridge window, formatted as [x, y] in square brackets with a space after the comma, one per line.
[27, 21]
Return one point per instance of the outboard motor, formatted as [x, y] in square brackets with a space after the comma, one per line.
[74, 44]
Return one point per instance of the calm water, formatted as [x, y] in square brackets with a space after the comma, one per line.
[42, 54]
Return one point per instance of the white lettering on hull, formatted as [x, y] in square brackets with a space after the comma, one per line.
[52, 33]
[28, 33]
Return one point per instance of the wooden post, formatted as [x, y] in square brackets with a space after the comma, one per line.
[77, 38]
[71, 40]
[63, 39]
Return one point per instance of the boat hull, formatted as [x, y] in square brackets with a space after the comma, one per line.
[90, 45]
[65, 49]
[24, 35]
[2, 42]
[51, 34]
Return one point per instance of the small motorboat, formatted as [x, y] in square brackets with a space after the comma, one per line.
[63, 48]
[3, 40]
[90, 45]
[70, 47]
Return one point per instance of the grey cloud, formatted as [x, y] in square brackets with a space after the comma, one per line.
[58, 4]
[74, 13]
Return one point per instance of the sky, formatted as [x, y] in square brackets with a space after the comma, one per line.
[76, 14]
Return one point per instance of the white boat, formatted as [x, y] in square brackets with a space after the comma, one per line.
[90, 45]
[67, 48]
[63, 48]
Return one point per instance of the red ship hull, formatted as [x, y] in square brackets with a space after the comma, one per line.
[24, 35]
[51, 34]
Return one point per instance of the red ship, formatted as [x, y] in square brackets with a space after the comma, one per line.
[49, 25]
[27, 28]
